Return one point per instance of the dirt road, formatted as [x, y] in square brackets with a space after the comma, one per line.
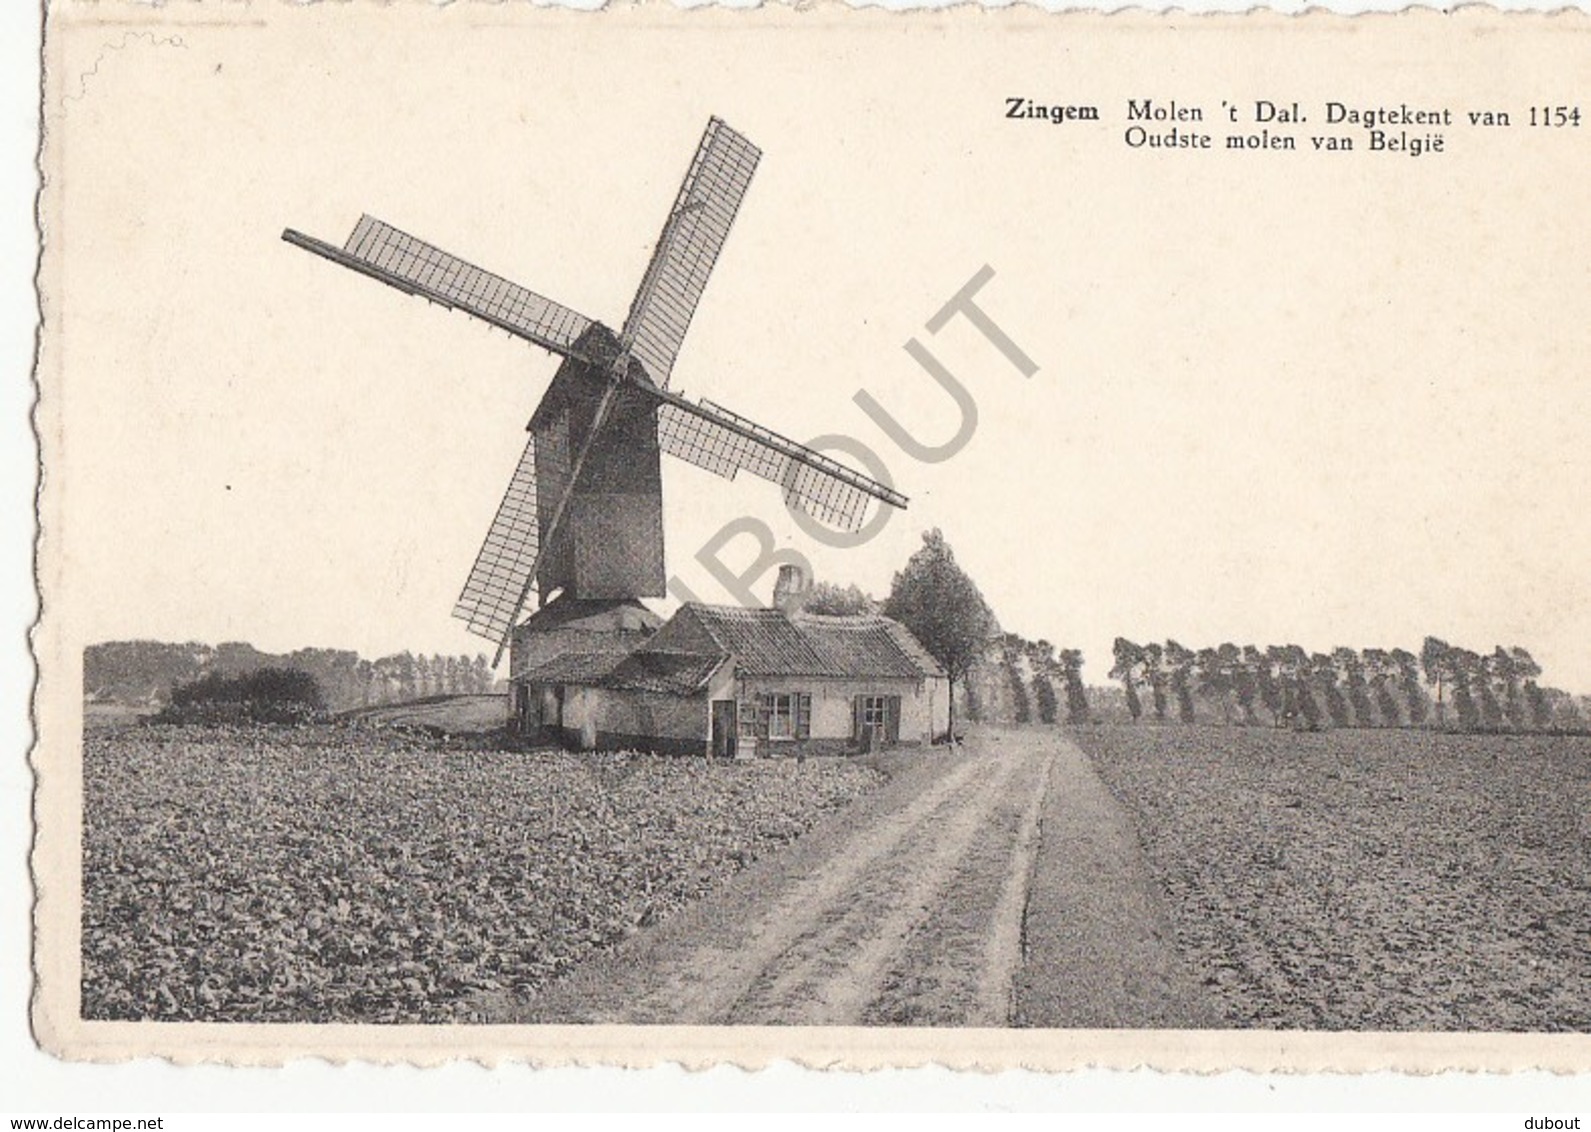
[907, 908]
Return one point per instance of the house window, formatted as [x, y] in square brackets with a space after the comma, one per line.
[784, 715]
[875, 711]
[876, 719]
[781, 716]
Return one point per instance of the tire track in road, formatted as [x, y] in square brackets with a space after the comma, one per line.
[1004, 945]
[957, 968]
[720, 973]
[1003, 885]
[832, 971]
[906, 907]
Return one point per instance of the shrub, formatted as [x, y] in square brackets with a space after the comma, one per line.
[266, 695]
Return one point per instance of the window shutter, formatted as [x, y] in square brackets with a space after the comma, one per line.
[856, 717]
[803, 719]
[892, 719]
[764, 711]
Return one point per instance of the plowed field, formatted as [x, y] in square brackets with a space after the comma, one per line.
[1369, 880]
[330, 874]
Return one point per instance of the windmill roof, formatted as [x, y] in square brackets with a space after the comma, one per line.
[771, 642]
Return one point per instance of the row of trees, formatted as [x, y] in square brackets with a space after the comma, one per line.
[1498, 690]
[408, 676]
[1003, 676]
[1042, 683]
[1346, 687]
[146, 672]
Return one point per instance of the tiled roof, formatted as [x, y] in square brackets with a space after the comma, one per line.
[912, 647]
[762, 642]
[770, 642]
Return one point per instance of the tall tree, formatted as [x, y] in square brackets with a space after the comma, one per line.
[1214, 677]
[1241, 675]
[480, 669]
[1155, 671]
[1285, 666]
[1011, 650]
[1129, 659]
[1492, 675]
[1041, 660]
[1436, 658]
[408, 675]
[1382, 671]
[941, 605]
[1071, 665]
[1179, 663]
[1461, 669]
[1529, 672]
[1511, 677]
[1352, 667]
[386, 679]
[1263, 666]
[1408, 667]
[1323, 675]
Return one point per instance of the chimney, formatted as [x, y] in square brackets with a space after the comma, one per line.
[790, 591]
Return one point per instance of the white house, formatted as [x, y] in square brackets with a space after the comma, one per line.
[741, 682]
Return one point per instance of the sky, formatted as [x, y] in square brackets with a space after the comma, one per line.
[1277, 399]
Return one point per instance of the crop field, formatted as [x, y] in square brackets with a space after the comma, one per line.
[335, 875]
[1369, 880]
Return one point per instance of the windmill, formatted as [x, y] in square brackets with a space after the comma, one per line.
[583, 513]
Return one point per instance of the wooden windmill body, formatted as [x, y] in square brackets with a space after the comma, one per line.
[609, 543]
[582, 518]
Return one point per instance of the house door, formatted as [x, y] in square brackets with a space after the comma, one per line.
[519, 720]
[725, 728]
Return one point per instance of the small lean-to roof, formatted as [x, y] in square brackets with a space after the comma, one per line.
[673, 673]
[676, 673]
[573, 668]
[596, 615]
[770, 642]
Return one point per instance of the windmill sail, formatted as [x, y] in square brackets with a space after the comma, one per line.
[725, 443]
[379, 250]
[688, 248]
[501, 576]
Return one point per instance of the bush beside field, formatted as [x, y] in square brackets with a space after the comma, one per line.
[1372, 879]
[266, 695]
[324, 874]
